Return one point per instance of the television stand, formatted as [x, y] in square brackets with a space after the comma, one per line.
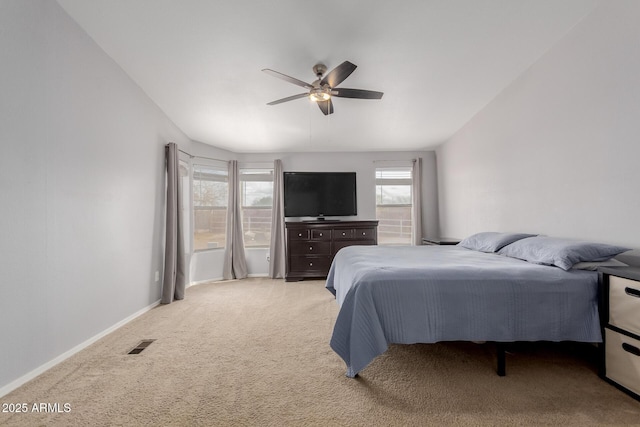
[311, 245]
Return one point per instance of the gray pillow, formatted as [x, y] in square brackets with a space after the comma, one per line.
[491, 241]
[563, 253]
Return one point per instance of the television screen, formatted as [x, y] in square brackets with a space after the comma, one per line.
[320, 194]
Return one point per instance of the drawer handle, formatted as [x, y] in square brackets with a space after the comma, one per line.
[310, 264]
[631, 349]
[310, 248]
[320, 234]
[344, 234]
[632, 292]
[299, 234]
[364, 234]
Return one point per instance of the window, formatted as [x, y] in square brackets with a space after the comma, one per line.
[210, 196]
[393, 205]
[256, 188]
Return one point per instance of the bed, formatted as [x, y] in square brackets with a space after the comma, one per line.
[428, 294]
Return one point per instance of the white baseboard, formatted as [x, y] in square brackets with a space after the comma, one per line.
[200, 282]
[45, 367]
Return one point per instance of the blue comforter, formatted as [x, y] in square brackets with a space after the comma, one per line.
[426, 294]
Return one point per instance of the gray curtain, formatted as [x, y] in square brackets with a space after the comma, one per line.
[173, 282]
[276, 247]
[416, 205]
[235, 263]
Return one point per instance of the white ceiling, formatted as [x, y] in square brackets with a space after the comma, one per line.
[438, 63]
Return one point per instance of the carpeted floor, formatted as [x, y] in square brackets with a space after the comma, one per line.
[256, 352]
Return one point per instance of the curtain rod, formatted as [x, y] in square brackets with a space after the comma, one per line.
[396, 161]
[266, 162]
[200, 157]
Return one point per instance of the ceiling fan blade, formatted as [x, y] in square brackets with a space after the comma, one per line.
[338, 74]
[287, 78]
[289, 98]
[326, 107]
[356, 93]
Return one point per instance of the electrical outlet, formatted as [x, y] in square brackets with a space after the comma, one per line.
[157, 276]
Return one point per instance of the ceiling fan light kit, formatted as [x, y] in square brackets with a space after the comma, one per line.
[323, 89]
[319, 94]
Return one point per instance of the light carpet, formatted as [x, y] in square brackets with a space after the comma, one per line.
[256, 352]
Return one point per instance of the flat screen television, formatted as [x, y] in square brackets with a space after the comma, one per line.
[320, 194]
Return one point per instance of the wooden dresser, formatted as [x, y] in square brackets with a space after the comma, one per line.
[310, 246]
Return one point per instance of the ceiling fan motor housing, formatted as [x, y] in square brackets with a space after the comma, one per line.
[319, 69]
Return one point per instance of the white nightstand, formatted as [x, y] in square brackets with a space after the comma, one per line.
[620, 305]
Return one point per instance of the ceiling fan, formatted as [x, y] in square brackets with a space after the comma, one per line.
[324, 88]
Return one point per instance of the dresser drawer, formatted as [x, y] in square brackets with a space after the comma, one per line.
[321, 234]
[622, 360]
[299, 234]
[364, 233]
[309, 264]
[343, 234]
[311, 247]
[624, 304]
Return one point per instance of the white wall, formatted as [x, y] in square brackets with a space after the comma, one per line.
[82, 189]
[557, 152]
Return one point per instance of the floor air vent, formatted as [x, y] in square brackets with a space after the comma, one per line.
[141, 346]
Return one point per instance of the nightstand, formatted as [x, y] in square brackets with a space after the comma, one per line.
[439, 241]
[620, 317]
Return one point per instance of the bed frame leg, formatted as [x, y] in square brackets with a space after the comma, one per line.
[500, 352]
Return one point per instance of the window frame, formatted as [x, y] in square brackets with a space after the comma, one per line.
[402, 169]
[223, 169]
[262, 173]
